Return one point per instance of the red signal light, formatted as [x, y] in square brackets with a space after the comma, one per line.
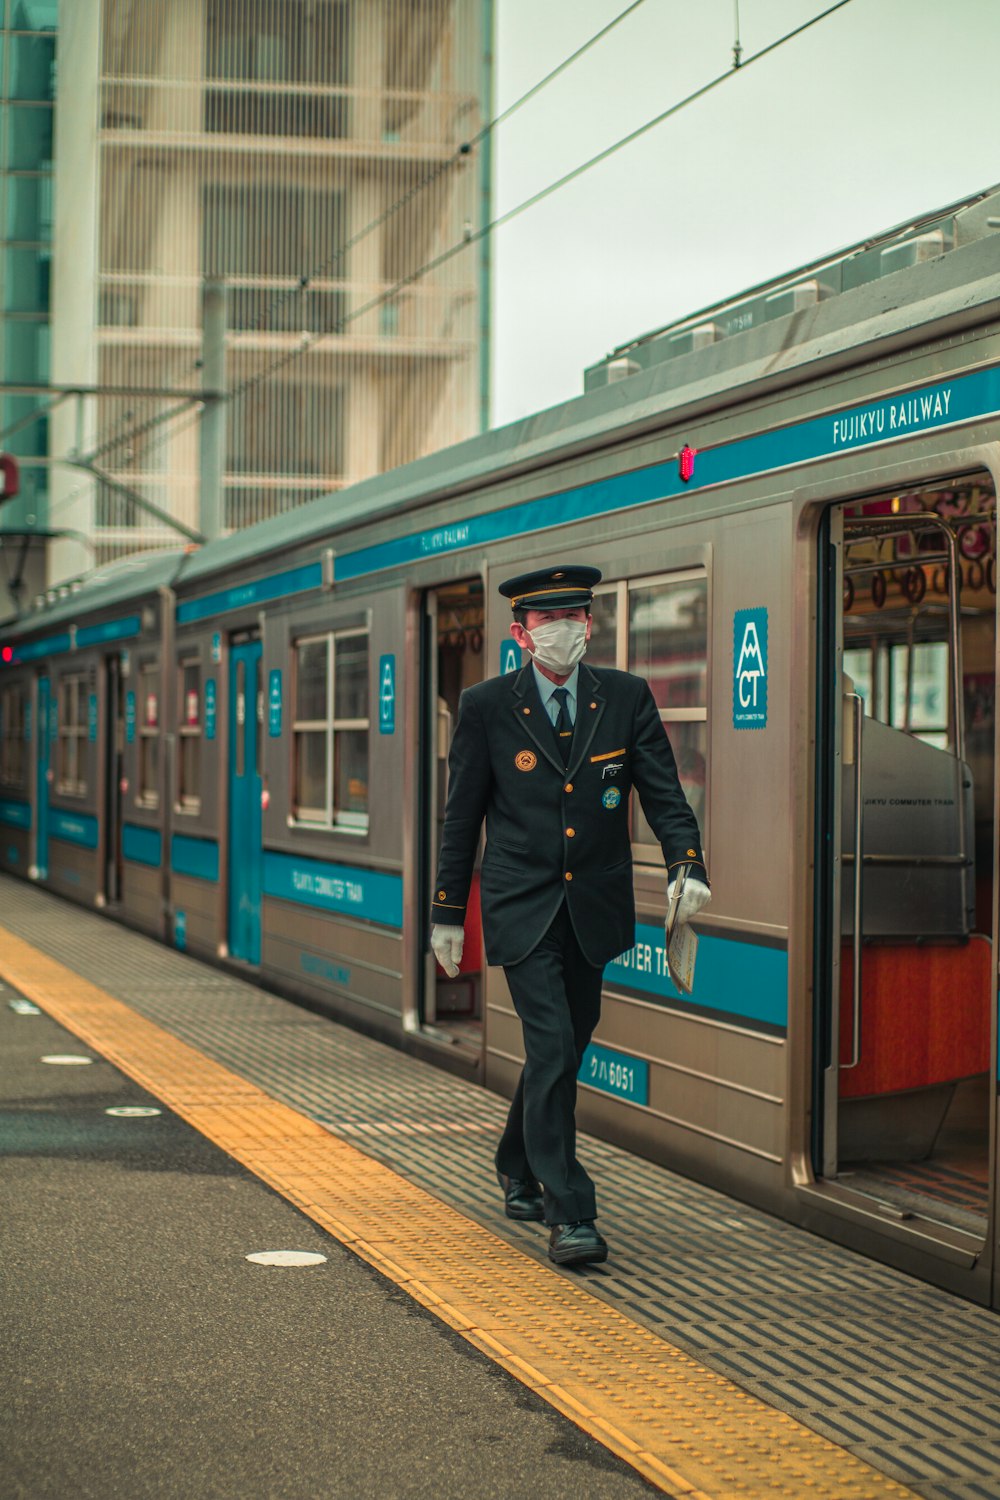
[685, 462]
[7, 653]
[10, 476]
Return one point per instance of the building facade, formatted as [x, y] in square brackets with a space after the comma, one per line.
[277, 199]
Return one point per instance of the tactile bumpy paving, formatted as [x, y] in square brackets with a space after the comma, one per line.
[895, 1372]
[688, 1430]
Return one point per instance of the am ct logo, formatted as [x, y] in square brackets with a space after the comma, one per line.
[750, 669]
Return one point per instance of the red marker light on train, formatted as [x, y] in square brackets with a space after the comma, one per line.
[685, 462]
[7, 653]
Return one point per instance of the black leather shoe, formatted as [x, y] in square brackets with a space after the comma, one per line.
[577, 1244]
[522, 1197]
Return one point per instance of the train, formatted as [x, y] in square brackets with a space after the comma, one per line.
[241, 748]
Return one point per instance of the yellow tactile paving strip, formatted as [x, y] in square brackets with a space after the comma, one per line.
[687, 1430]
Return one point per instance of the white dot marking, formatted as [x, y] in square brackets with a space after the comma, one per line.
[67, 1059]
[286, 1258]
[133, 1111]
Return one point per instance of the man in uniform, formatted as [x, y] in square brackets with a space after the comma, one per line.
[548, 756]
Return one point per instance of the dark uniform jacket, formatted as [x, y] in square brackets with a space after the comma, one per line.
[555, 831]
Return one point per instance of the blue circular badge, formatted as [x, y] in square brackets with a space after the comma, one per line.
[611, 797]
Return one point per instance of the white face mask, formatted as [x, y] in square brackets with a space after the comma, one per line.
[559, 645]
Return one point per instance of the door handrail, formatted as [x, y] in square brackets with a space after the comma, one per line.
[859, 865]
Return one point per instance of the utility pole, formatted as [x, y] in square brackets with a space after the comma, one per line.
[212, 453]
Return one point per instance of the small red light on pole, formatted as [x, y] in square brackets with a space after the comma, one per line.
[685, 462]
[10, 476]
[7, 654]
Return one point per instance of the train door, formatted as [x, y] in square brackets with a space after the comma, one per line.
[452, 659]
[246, 857]
[114, 770]
[44, 708]
[907, 924]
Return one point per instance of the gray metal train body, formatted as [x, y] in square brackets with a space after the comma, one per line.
[242, 749]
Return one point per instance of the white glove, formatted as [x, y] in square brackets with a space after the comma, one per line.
[448, 943]
[696, 895]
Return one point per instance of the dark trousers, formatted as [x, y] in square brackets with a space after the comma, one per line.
[557, 995]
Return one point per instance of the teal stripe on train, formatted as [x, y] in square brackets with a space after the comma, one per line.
[371, 894]
[745, 981]
[196, 857]
[142, 846]
[15, 814]
[259, 591]
[73, 828]
[109, 630]
[964, 398]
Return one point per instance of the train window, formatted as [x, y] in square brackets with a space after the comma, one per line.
[12, 753]
[331, 730]
[658, 628]
[259, 700]
[72, 735]
[906, 694]
[149, 735]
[189, 737]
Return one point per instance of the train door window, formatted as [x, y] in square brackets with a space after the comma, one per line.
[241, 718]
[149, 735]
[70, 778]
[658, 628]
[331, 729]
[189, 737]
[258, 672]
[12, 746]
[909, 971]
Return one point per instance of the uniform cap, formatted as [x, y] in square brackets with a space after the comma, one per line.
[567, 587]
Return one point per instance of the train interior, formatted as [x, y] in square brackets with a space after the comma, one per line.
[916, 982]
[454, 627]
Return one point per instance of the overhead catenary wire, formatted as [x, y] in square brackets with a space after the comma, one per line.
[473, 236]
[118, 434]
[461, 153]
[310, 341]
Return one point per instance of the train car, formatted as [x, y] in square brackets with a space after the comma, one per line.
[81, 782]
[792, 499]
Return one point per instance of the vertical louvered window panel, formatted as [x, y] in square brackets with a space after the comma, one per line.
[305, 153]
[13, 756]
[73, 728]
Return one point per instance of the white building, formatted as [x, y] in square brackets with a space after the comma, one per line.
[315, 158]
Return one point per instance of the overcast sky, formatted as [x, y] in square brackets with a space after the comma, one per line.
[883, 111]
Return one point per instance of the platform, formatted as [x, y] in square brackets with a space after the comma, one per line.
[718, 1352]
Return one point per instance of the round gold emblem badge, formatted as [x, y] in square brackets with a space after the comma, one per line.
[526, 760]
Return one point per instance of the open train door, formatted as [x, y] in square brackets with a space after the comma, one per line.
[906, 915]
[452, 659]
